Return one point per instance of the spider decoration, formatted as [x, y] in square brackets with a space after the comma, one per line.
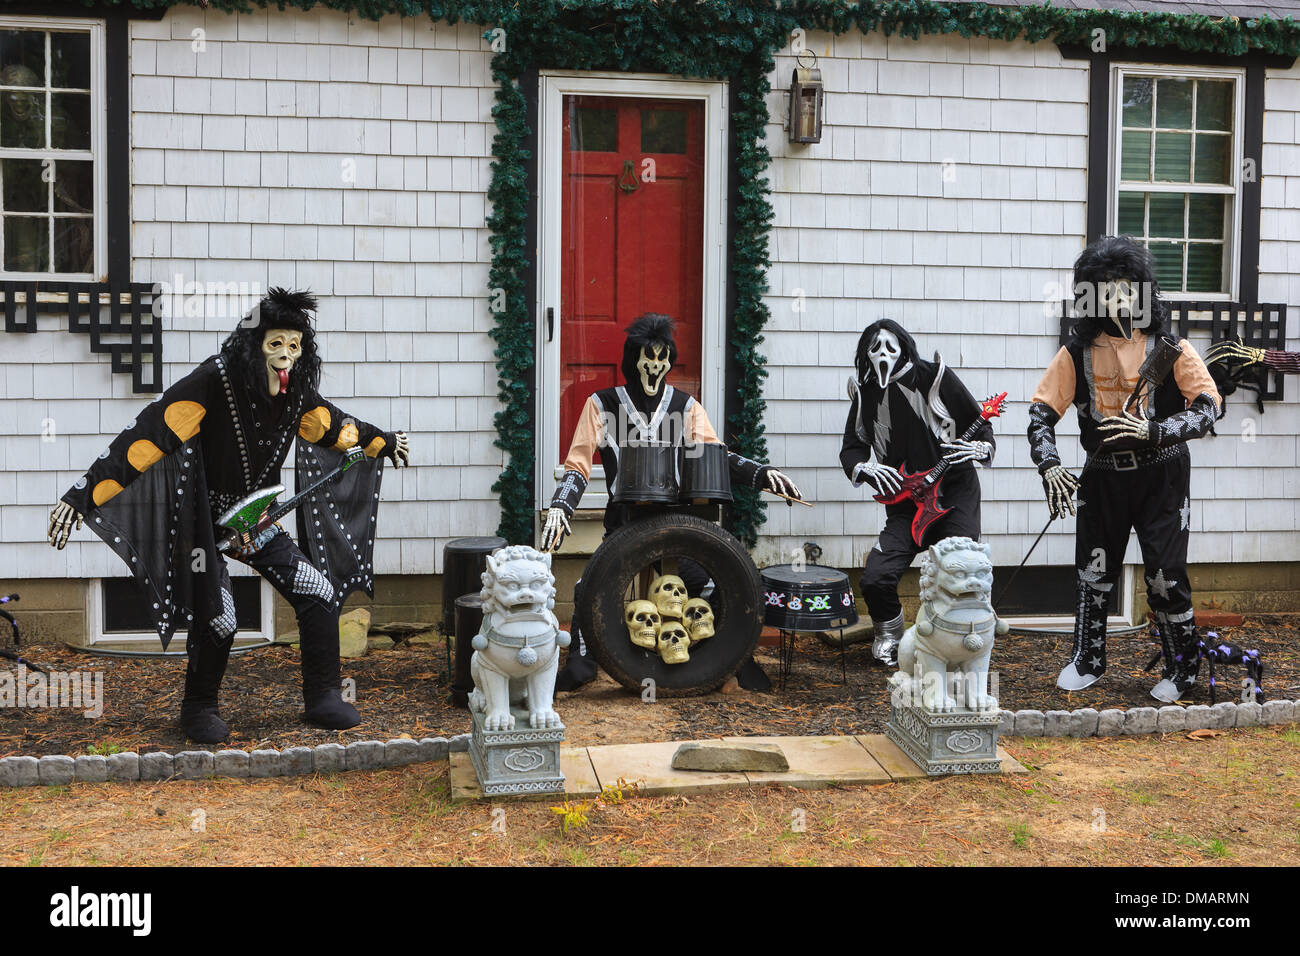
[12, 655]
[1222, 653]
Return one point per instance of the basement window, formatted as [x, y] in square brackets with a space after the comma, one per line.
[117, 613]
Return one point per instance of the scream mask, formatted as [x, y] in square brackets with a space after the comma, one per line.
[885, 355]
[1117, 303]
[653, 366]
[281, 348]
[1115, 290]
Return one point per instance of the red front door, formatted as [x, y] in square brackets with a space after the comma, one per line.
[632, 236]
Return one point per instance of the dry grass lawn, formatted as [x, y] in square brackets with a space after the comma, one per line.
[1226, 800]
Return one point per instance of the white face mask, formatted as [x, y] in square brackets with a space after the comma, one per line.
[1119, 304]
[884, 354]
[653, 366]
[282, 347]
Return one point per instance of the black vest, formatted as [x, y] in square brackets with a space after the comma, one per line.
[1168, 399]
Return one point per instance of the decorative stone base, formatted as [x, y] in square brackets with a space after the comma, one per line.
[522, 760]
[963, 741]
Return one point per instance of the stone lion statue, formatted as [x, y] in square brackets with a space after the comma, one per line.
[517, 650]
[952, 639]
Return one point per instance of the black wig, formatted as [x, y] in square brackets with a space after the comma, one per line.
[279, 309]
[652, 328]
[908, 344]
[1108, 259]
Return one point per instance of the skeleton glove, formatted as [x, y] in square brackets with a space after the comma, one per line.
[781, 484]
[885, 479]
[555, 529]
[62, 518]
[959, 450]
[1059, 486]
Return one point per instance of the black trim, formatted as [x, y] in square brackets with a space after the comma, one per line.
[117, 158]
[1252, 133]
[92, 11]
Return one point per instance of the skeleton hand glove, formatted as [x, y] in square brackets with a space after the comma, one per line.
[555, 529]
[958, 450]
[401, 450]
[781, 484]
[885, 479]
[1059, 486]
[62, 518]
[1125, 425]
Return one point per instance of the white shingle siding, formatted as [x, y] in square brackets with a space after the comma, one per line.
[239, 159]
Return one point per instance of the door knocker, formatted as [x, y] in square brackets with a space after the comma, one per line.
[628, 186]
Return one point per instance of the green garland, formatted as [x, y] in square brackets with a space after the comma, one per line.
[716, 39]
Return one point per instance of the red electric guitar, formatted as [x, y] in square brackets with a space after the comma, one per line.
[924, 488]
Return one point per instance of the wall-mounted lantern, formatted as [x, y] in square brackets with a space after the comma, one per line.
[806, 98]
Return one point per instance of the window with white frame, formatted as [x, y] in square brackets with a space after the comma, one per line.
[51, 182]
[1176, 183]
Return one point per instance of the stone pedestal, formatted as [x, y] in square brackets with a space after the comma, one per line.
[963, 741]
[522, 760]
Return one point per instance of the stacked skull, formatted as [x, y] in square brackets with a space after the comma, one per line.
[669, 621]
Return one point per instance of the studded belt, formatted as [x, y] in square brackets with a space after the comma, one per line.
[1136, 458]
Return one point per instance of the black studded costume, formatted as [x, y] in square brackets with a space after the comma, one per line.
[1128, 483]
[209, 440]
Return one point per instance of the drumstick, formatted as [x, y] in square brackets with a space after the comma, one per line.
[807, 504]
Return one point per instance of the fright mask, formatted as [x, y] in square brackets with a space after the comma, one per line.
[668, 591]
[281, 348]
[1118, 300]
[698, 619]
[885, 354]
[642, 619]
[674, 643]
[653, 366]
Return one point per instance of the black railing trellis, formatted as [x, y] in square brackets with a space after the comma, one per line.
[100, 310]
[1261, 325]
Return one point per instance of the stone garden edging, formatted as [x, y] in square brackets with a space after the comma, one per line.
[59, 770]
[1089, 722]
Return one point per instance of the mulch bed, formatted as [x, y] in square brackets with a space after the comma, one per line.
[404, 691]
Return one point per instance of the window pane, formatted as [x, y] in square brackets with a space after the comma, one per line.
[1173, 157]
[70, 60]
[1167, 215]
[1174, 103]
[70, 120]
[74, 248]
[74, 186]
[24, 190]
[1131, 212]
[27, 244]
[1137, 101]
[1169, 265]
[1135, 157]
[663, 131]
[22, 119]
[1205, 267]
[1205, 216]
[23, 54]
[1214, 105]
[595, 130]
[1212, 158]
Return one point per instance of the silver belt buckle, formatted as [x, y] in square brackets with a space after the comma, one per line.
[1132, 459]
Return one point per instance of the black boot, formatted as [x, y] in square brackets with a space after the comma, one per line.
[1088, 655]
[200, 719]
[318, 631]
[1181, 651]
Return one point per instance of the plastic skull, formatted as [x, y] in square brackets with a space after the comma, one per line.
[668, 591]
[642, 619]
[698, 618]
[674, 643]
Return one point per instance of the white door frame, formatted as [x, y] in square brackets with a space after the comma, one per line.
[554, 86]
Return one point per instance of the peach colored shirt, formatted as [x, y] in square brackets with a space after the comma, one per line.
[1115, 364]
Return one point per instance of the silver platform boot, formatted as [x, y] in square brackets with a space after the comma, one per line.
[884, 645]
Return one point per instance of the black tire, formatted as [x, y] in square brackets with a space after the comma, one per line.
[736, 599]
